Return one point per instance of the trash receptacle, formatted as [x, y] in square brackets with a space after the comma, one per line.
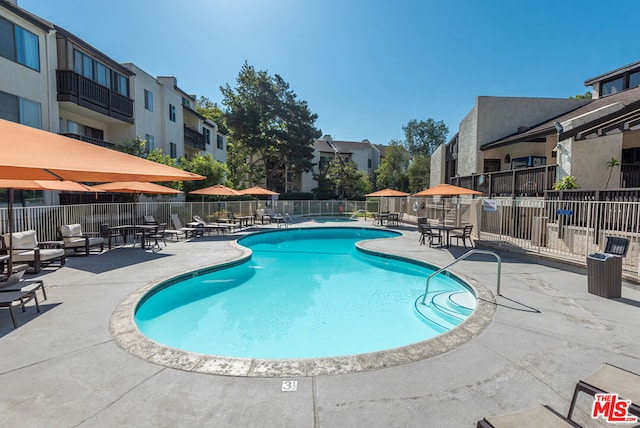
[604, 270]
[604, 274]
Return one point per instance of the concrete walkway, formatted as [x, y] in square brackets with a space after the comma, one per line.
[63, 368]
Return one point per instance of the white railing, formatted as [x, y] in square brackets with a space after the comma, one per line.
[46, 220]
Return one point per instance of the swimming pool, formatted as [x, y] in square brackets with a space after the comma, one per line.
[305, 293]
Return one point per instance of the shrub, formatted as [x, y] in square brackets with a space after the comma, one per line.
[566, 183]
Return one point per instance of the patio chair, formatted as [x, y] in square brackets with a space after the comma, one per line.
[540, 416]
[16, 283]
[8, 299]
[109, 234]
[430, 235]
[74, 239]
[465, 235]
[28, 250]
[610, 379]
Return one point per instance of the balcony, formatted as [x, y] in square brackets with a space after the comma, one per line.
[78, 89]
[194, 139]
[90, 140]
[518, 182]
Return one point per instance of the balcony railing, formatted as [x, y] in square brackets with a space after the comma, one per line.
[78, 89]
[90, 140]
[518, 182]
[194, 139]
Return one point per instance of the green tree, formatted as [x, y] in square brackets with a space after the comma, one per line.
[348, 182]
[214, 171]
[418, 172]
[157, 155]
[610, 165]
[392, 172]
[586, 96]
[425, 136]
[212, 111]
[270, 125]
[137, 147]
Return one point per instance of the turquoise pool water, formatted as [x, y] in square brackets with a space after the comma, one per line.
[305, 293]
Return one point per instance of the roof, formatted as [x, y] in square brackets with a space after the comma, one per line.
[36, 20]
[343, 146]
[628, 100]
[613, 73]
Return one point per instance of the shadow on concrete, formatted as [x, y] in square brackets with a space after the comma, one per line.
[22, 318]
[114, 259]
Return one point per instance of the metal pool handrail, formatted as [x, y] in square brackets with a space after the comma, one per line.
[462, 257]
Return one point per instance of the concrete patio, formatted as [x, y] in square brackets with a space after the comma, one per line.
[63, 368]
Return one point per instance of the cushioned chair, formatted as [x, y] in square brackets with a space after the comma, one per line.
[74, 239]
[26, 249]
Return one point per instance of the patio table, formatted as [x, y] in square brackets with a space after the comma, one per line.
[446, 229]
[130, 229]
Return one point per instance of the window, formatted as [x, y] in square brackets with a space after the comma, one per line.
[369, 163]
[120, 84]
[19, 45]
[186, 102]
[173, 150]
[220, 142]
[148, 100]
[149, 139]
[612, 86]
[102, 75]
[172, 113]
[20, 110]
[207, 135]
[634, 79]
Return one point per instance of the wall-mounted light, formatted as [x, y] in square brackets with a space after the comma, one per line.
[507, 158]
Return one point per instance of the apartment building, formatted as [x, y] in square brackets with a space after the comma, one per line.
[365, 154]
[53, 80]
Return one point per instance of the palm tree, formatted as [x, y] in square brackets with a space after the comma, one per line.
[611, 164]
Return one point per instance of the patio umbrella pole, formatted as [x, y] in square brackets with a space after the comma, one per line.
[10, 218]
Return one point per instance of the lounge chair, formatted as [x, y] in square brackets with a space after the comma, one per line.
[16, 283]
[209, 227]
[535, 417]
[178, 229]
[262, 216]
[610, 379]
[8, 299]
[74, 239]
[27, 249]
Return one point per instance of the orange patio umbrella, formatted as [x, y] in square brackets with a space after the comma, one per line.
[387, 193]
[32, 154]
[258, 191]
[217, 190]
[446, 190]
[136, 188]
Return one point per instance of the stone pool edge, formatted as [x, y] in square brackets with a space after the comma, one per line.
[127, 335]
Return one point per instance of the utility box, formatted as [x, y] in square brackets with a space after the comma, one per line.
[604, 270]
[539, 231]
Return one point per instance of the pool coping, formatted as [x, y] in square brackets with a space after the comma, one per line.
[127, 335]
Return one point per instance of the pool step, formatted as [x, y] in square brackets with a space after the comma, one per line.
[444, 310]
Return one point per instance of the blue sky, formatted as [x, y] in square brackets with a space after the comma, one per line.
[365, 67]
